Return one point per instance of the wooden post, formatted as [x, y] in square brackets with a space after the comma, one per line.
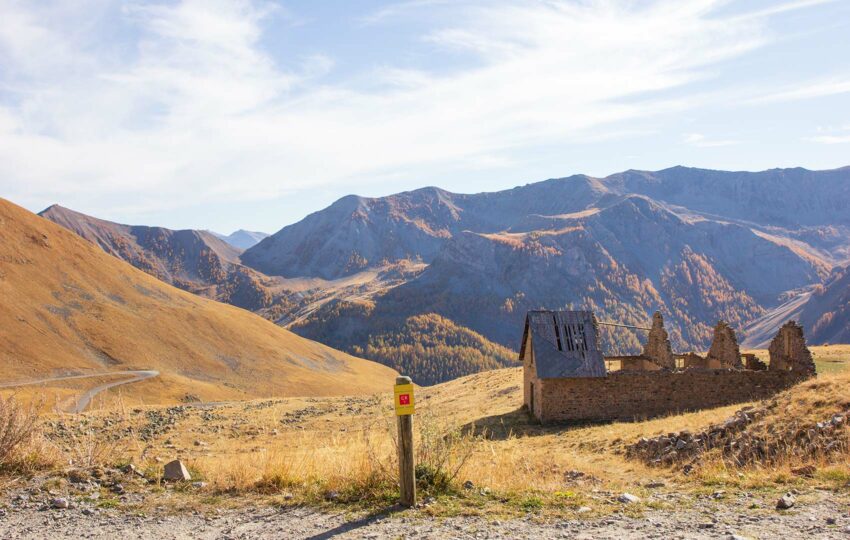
[406, 466]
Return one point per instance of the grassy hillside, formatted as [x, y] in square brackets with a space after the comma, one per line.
[68, 307]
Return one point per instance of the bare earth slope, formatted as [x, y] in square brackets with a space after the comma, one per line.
[68, 307]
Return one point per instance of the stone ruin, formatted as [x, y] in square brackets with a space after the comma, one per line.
[658, 347]
[724, 351]
[788, 350]
[656, 382]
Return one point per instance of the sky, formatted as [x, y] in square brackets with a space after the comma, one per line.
[227, 114]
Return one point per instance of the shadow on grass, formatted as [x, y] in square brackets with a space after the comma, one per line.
[364, 521]
[517, 423]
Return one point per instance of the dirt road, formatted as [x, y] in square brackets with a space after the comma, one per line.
[83, 401]
[825, 520]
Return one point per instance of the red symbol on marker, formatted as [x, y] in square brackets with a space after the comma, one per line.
[404, 399]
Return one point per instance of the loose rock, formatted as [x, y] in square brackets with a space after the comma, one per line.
[175, 471]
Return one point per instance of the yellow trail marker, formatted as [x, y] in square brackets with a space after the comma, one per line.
[404, 403]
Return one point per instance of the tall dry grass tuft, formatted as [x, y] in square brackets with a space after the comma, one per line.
[22, 447]
[17, 426]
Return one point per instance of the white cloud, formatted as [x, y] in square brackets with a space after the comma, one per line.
[193, 107]
[701, 141]
[831, 135]
[807, 90]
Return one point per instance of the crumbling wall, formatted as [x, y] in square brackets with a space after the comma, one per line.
[788, 350]
[658, 346]
[639, 363]
[694, 361]
[751, 361]
[724, 347]
[629, 395]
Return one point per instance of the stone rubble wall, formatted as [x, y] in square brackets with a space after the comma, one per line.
[631, 395]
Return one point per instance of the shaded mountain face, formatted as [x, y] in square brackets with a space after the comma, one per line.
[68, 307]
[357, 233]
[196, 261]
[826, 314]
[624, 261]
[242, 239]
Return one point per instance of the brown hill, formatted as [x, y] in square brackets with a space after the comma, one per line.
[68, 307]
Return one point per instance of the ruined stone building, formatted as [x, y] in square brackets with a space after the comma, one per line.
[565, 377]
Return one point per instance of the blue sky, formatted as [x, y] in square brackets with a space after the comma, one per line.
[228, 114]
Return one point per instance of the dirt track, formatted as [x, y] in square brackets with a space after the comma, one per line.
[701, 522]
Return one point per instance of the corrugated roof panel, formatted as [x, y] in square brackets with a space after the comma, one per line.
[566, 344]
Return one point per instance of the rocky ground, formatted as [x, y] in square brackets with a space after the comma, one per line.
[821, 516]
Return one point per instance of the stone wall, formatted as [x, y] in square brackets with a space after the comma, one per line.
[640, 394]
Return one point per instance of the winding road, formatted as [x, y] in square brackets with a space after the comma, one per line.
[84, 400]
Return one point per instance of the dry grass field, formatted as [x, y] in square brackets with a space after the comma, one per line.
[341, 450]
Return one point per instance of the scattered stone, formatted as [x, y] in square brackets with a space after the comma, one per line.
[175, 471]
[468, 484]
[628, 498]
[584, 510]
[199, 485]
[785, 502]
[654, 484]
[118, 489]
[830, 521]
[60, 503]
[88, 512]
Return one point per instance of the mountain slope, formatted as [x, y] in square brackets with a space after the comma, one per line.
[68, 307]
[826, 314]
[356, 233]
[624, 261]
[196, 261]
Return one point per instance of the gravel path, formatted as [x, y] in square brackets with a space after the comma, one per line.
[825, 519]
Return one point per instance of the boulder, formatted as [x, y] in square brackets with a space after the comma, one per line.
[628, 498]
[785, 502]
[175, 471]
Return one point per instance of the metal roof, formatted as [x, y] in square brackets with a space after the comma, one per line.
[565, 344]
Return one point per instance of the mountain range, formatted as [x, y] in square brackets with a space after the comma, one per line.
[373, 276]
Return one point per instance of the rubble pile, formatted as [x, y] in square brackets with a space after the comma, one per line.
[740, 445]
